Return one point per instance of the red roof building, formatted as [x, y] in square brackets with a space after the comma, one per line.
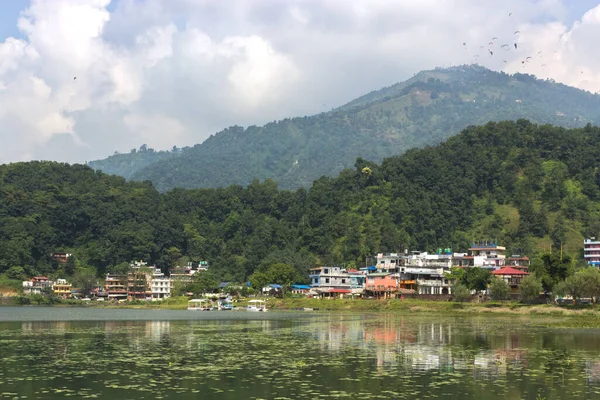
[512, 276]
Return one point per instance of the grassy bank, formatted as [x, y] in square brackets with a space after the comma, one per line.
[426, 306]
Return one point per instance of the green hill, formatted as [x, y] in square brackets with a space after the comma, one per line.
[424, 110]
[528, 186]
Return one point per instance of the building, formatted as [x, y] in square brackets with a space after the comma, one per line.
[329, 278]
[591, 251]
[300, 289]
[139, 282]
[60, 256]
[330, 281]
[61, 288]
[160, 285]
[488, 254]
[36, 285]
[426, 272]
[519, 262]
[381, 284]
[272, 289]
[511, 276]
[116, 286]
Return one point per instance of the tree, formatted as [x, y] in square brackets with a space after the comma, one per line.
[476, 278]
[499, 289]
[461, 293]
[530, 288]
[85, 279]
[551, 269]
[203, 282]
[258, 280]
[16, 273]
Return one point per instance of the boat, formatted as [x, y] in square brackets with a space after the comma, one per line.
[257, 305]
[225, 305]
[199, 305]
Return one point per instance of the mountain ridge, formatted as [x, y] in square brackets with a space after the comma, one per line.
[423, 110]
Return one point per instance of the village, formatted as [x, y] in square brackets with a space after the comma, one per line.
[389, 275]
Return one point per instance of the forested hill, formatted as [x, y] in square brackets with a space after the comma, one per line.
[424, 110]
[530, 187]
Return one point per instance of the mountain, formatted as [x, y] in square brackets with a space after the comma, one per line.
[126, 165]
[531, 187]
[424, 110]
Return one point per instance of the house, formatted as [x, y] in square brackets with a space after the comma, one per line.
[160, 285]
[426, 272]
[60, 256]
[325, 278]
[300, 289]
[519, 262]
[591, 251]
[512, 276]
[488, 254]
[381, 284]
[272, 289]
[116, 286]
[61, 288]
[358, 280]
[36, 285]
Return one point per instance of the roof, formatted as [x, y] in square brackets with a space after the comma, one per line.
[509, 271]
[40, 277]
[340, 291]
[223, 285]
[275, 286]
[301, 287]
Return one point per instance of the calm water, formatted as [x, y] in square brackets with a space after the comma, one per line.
[52, 353]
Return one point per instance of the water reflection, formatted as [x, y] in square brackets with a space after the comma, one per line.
[324, 356]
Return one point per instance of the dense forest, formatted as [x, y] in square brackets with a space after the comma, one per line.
[424, 110]
[533, 188]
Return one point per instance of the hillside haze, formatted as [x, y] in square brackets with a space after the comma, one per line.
[424, 110]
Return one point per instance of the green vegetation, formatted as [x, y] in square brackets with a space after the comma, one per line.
[424, 110]
[499, 289]
[533, 188]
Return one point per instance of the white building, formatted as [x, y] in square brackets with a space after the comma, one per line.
[161, 285]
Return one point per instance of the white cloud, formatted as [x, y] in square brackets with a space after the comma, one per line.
[83, 81]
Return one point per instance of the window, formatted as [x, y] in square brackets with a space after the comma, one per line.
[325, 271]
[343, 281]
[315, 280]
[326, 280]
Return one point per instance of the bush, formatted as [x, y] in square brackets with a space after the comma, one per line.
[530, 288]
[461, 293]
[499, 289]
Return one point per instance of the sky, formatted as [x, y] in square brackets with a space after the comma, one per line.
[81, 79]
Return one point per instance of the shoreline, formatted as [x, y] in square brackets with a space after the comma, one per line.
[408, 306]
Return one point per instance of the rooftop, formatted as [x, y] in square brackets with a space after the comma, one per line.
[509, 271]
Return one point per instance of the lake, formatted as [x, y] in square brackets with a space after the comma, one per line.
[53, 353]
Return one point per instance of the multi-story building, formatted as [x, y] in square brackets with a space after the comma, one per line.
[329, 278]
[116, 286]
[511, 276]
[518, 262]
[161, 285]
[61, 288]
[488, 254]
[591, 251]
[427, 272]
[139, 282]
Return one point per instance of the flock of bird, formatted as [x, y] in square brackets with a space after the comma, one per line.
[492, 48]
